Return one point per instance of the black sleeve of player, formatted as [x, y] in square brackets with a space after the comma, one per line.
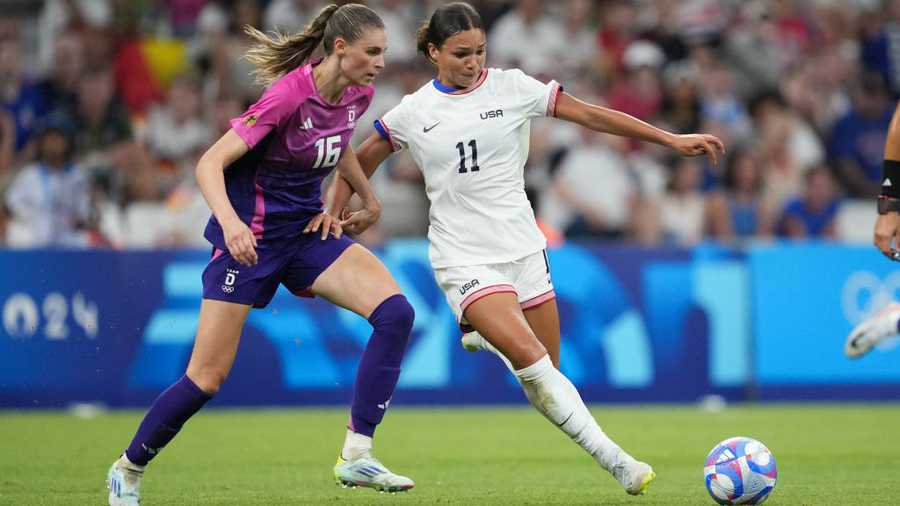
[890, 179]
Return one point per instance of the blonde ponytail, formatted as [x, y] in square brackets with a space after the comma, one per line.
[281, 53]
[276, 55]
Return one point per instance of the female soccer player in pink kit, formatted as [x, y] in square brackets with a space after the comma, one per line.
[468, 131]
[262, 180]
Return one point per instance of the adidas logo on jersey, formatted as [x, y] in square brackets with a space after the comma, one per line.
[492, 114]
[307, 124]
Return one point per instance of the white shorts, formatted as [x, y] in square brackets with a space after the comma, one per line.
[528, 278]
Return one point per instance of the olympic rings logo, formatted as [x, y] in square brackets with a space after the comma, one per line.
[864, 293]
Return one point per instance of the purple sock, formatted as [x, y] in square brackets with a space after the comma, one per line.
[168, 413]
[379, 367]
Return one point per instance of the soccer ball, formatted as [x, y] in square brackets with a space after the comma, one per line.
[740, 470]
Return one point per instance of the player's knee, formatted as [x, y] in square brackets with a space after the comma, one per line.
[208, 379]
[405, 315]
[395, 315]
[526, 352]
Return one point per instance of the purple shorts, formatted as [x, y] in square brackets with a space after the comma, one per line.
[296, 265]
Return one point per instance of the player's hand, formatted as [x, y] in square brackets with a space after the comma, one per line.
[887, 229]
[241, 242]
[357, 222]
[699, 144]
[327, 223]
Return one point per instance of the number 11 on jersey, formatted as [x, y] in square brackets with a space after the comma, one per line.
[462, 156]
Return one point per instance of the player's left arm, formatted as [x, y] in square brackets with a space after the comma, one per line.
[604, 119]
[370, 155]
[350, 173]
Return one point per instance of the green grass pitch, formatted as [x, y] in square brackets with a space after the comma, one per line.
[826, 454]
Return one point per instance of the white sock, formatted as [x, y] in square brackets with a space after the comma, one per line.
[551, 393]
[355, 445]
[129, 465]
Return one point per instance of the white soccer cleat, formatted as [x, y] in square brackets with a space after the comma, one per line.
[872, 331]
[472, 341]
[367, 471]
[634, 477]
[124, 483]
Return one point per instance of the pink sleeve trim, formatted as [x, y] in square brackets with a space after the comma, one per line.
[551, 103]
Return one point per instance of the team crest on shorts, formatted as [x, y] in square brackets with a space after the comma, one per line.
[230, 278]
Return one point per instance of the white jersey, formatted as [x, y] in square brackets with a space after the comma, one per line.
[471, 146]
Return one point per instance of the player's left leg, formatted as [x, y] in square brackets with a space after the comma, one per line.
[873, 330]
[500, 320]
[358, 281]
[531, 278]
[544, 321]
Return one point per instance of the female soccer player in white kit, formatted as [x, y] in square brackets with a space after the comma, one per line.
[468, 130]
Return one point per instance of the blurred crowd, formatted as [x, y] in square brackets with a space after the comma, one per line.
[107, 105]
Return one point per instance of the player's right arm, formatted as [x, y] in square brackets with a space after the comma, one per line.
[275, 106]
[887, 226]
[371, 154]
[211, 178]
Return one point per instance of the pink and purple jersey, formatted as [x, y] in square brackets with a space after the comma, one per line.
[295, 139]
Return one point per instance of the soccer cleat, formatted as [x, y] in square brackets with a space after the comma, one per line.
[872, 331]
[367, 471]
[124, 483]
[472, 341]
[635, 476]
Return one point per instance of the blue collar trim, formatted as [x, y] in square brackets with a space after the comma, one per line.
[443, 88]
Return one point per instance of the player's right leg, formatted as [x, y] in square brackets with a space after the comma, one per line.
[873, 330]
[499, 318]
[218, 333]
[530, 277]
